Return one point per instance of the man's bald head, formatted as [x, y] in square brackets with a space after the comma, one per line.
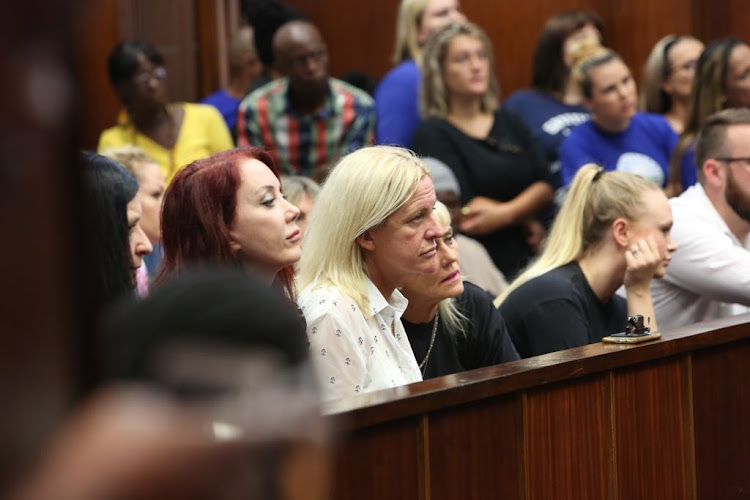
[301, 54]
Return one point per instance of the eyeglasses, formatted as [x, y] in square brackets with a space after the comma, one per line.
[729, 159]
[145, 77]
[301, 61]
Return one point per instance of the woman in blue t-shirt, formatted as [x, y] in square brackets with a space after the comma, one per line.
[617, 137]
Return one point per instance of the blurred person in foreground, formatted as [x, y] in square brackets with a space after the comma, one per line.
[206, 392]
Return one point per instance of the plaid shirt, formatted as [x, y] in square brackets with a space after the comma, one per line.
[300, 143]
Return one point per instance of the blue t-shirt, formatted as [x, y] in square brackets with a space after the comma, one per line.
[227, 106]
[397, 105]
[549, 120]
[644, 149]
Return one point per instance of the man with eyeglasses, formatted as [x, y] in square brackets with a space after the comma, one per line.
[710, 276]
[307, 120]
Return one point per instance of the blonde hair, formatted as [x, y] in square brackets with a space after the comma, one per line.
[407, 25]
[433, 96]
[130, 157]
[589, 54]
[362, 191]
[296, 186]
[653, 98]
[595, 199]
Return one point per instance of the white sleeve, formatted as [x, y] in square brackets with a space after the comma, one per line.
[710, 264]
[337, 350]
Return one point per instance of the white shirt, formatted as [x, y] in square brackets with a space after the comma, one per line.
[354, 354]
[709, 276]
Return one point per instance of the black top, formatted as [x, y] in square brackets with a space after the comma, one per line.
[559, 310]
[485, 343]
[499, 167]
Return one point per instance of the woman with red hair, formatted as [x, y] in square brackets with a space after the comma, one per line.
[228, 209]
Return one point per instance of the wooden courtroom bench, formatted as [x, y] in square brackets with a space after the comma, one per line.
[667, 419]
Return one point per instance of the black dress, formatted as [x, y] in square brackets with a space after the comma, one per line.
[500, 167]
[559, 310]
[485, 343]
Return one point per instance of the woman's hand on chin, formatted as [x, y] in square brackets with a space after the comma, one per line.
[642, 260]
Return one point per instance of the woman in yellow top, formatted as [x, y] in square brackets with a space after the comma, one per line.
[174, 134]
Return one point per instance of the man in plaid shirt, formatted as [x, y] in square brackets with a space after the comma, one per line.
[307, 120]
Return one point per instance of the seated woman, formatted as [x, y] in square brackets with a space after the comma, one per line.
[301, 192]
[502, 172]
[617, 137]
[452, 325]
[396, 97]
[173, 134]
[612, 229]
[552, 107]
[228, 210]
[118, 242]
[475, 263]
[668, 77]
[371, 230]
[720, 82]
[151, 192]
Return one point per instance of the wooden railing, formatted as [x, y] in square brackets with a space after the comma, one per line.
[667, 419]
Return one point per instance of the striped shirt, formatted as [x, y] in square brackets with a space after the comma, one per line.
[301, 143]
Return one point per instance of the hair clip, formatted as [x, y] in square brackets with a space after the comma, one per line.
[598, 175]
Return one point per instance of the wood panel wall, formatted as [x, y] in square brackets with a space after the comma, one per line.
[361, 36]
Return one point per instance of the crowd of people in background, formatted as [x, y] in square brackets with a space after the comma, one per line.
[554, 201]
[422, 228]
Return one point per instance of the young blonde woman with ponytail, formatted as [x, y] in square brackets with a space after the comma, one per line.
[612, 230]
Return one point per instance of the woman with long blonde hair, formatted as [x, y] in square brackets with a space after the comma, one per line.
[502, 172]
[396, 97]
[668, 77]
[372, 229]
[613, 229]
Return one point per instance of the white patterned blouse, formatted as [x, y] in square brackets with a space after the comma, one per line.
[353, 353]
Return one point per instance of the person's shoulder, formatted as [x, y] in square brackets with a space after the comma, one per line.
[693, 202]
[520, 99]
[111, 133]
[404, 71]
[359, 95]
[203, 111]
[434, 123]
[316, 301]
[217, 98]
[559, 283]
[582, 134]
[654, 122]
[270, 89]
[475, 295]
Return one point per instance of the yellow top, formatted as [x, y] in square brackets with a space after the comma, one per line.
[203, 133]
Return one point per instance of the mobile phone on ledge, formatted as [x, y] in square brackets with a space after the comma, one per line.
[635, 332]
